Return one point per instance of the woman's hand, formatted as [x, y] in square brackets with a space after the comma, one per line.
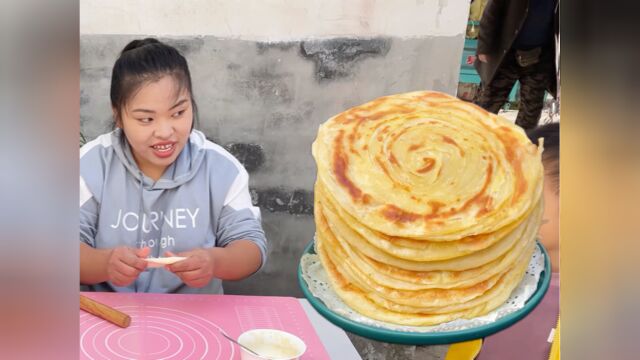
[483, 58]
[197, 269]
[125, 264]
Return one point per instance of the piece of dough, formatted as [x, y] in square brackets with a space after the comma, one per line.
[162, 261]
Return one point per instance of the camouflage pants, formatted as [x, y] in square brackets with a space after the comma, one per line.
[534, 80]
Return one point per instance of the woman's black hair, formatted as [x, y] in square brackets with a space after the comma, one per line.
[551, 155]
[143, 61]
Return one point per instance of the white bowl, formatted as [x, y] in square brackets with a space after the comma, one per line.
[271, 344]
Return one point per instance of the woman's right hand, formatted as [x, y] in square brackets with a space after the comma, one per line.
[483, 58]
[125, 264]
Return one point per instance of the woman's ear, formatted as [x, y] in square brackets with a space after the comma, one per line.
[116, 118]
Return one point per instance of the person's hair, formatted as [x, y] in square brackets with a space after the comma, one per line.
[144, 61]
[551, 155]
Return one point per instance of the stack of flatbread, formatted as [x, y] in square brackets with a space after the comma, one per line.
[426, 207]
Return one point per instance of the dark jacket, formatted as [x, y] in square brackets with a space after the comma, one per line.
[499, 26]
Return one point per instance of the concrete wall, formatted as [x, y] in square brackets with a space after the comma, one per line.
[275, 19]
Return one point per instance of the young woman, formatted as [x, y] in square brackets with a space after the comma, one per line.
[156, 187]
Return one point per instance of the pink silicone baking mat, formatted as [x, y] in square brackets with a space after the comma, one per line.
[177, 326]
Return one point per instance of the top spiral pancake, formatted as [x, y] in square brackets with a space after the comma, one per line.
[427, 166]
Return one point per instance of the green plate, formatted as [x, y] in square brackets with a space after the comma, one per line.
[421, 338]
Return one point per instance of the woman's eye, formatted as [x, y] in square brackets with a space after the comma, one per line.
[179, 113]
[145, 120]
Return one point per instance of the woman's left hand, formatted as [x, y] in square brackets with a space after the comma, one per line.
[197, 269]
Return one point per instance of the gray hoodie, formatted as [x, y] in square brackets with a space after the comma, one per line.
[201, 201]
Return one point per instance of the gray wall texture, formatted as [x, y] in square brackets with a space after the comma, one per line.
[263, 101]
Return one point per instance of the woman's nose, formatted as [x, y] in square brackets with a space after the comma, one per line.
[163, 129]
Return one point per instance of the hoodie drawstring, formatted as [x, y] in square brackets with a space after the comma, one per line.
[141, 213]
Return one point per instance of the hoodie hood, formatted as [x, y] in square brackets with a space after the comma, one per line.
[183, 169]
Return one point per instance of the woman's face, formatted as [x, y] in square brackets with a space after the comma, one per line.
[157, 123]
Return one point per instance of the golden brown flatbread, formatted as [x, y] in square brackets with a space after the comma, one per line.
[426, 207]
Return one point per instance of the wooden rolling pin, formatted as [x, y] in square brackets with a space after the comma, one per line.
[103, 311]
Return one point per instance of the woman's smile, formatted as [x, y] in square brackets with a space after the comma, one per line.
[164, 149]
